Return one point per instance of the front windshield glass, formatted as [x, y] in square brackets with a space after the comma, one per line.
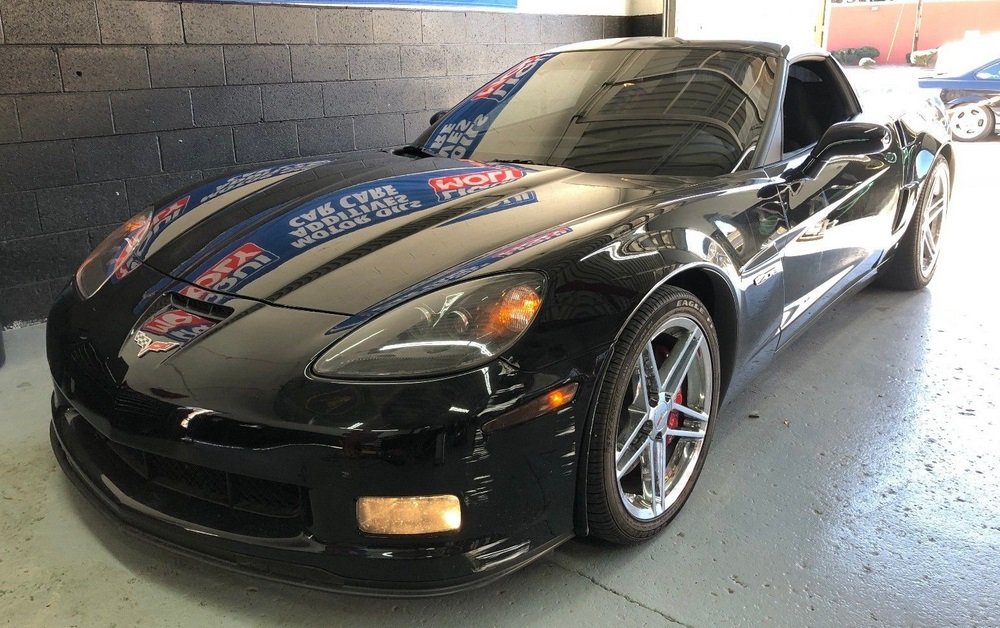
[676, 111]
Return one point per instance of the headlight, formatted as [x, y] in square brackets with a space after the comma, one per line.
[445, 331]
[111, 257]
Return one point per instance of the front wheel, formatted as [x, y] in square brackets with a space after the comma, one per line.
[971, 122]
[654, 418]
[916, 259]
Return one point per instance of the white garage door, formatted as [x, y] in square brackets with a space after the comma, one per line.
[795, 22]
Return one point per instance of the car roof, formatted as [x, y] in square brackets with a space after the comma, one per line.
[652, 43]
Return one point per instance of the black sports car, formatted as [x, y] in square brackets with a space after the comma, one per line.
[413, 371]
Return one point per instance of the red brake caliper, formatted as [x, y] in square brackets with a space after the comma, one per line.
[674, 418]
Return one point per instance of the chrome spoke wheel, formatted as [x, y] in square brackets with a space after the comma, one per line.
[664, 418]
[935, 210]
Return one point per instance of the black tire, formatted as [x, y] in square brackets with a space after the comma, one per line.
[981, 122]
[907, 269]
[609, 519]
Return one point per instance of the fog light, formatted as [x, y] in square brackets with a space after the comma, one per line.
[409, 515]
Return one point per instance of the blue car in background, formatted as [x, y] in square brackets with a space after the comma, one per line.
[973, 100]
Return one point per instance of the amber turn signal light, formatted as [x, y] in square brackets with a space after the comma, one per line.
[552, 400]
[425, 514]
[515, 311]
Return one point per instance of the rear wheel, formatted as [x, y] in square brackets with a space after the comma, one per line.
[971, 122]
[654, 418]
[916, 259]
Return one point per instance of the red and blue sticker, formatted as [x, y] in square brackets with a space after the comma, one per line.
[460, 132]
[171, 212]
[339, 214]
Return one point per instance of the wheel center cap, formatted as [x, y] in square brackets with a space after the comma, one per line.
[665, 417]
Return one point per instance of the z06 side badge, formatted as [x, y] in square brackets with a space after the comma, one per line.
[147, 344]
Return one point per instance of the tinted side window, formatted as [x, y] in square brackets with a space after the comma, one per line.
[813, 102]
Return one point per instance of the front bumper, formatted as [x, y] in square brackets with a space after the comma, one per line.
[299, 560]
[275, 495]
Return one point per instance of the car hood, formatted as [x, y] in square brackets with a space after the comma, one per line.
[341, 235]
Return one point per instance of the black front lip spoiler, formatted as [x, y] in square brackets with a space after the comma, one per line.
[273, 570]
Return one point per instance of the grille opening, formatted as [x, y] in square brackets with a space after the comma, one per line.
[238, 492]
[130, 404]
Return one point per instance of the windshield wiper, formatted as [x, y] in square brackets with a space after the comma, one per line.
[525, 162]
[528, 162]
[413, 151]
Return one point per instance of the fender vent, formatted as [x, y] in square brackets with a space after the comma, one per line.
[213, 311]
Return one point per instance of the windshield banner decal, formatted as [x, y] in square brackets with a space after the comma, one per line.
[335, 215]
[168, 214]
[458, 135]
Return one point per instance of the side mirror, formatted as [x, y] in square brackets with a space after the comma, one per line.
[437, 116]
[852, 139]
[845, 139]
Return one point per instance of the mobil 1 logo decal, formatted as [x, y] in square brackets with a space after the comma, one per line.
[459, 184]
[177, 324]
[460, 133]
[230, 273]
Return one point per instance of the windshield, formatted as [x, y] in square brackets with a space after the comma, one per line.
[677, 111]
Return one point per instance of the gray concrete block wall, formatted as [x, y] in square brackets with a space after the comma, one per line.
[108, 105]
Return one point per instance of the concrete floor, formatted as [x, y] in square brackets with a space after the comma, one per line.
[867, 492]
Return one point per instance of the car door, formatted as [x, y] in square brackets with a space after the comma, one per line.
[839, 216]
